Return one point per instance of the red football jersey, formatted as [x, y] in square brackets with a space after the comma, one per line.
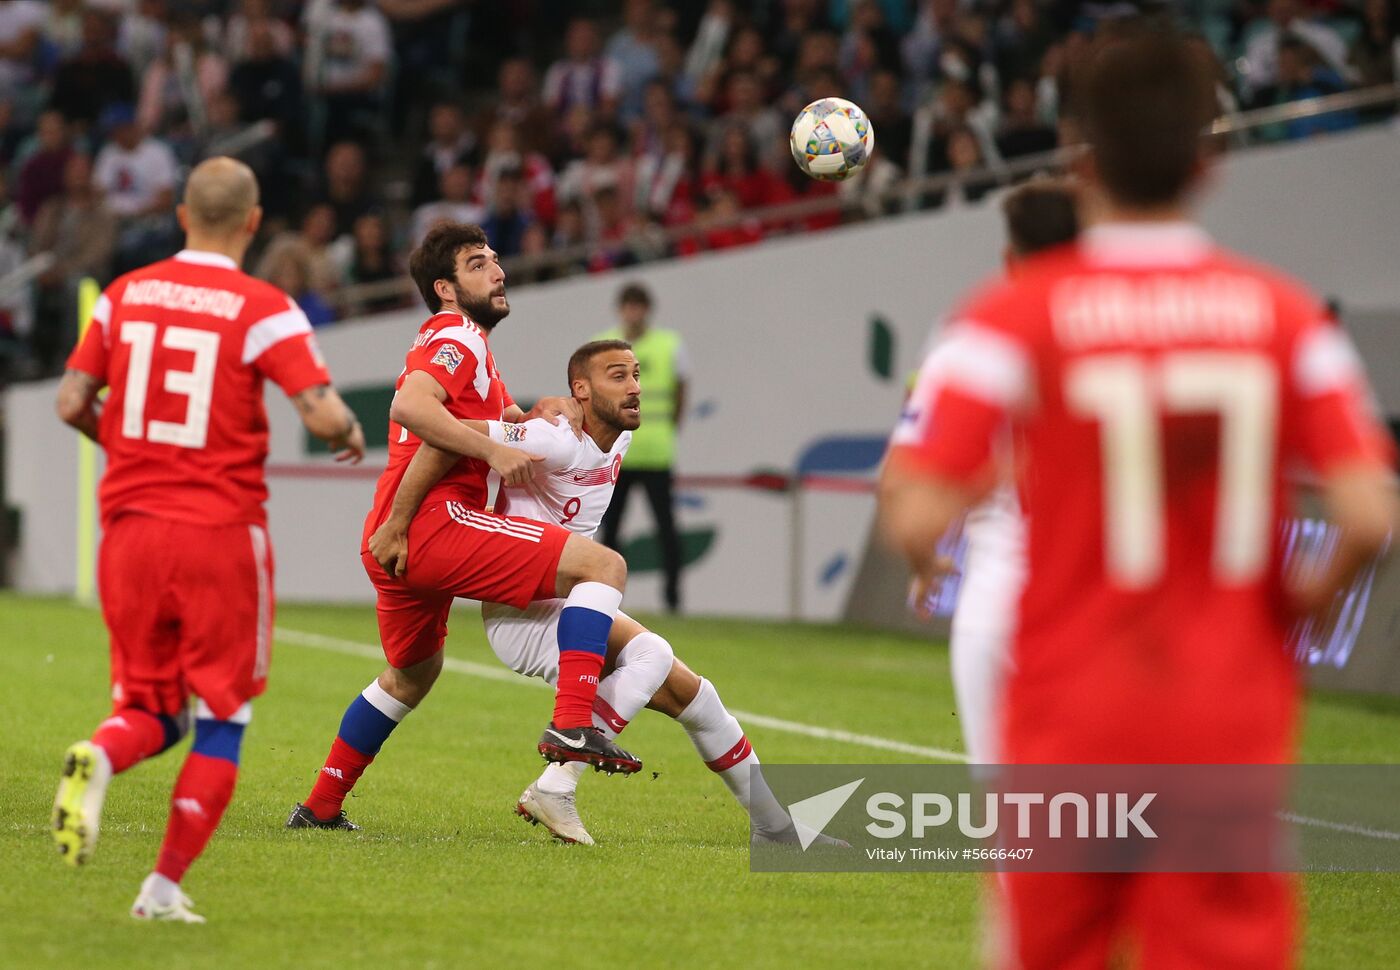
[185, 345]
[453, 351]
[1158, 387]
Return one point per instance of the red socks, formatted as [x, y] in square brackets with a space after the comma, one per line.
[129, 737]
[342, 769]
[202, 792]
[577, 687]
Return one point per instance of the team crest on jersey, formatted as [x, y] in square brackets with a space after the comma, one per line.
[514, 432]
[449, 357]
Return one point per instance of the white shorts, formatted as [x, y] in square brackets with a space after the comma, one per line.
[984, 622]
[527, 641]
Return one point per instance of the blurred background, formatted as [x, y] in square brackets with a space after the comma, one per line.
[602, 144]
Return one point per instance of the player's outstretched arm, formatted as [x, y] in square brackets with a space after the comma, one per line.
[329, 418]
[77, 401]
[914, 513]
[418, 406]
[1361, 501]
[549, 408]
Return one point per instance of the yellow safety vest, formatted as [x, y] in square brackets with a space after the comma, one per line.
[653, 444]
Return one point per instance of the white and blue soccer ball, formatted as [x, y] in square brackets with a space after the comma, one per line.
[831, 139]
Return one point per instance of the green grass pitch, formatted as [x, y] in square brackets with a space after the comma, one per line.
[444, 875]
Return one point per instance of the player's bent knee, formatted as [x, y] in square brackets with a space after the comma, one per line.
[218, 738]
[681, 686]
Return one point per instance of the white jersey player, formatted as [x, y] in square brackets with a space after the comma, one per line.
[1039, 215]
[573, 485]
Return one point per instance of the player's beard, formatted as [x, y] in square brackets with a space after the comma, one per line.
[484, 312]
[611, 414]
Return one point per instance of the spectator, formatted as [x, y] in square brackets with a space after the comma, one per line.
[41, 173]
[935, 26]
[257, 14]
[63, 29]
[583, 78]
[454, 204]
[137, 174]
[177, 87]
[450, 144]
[141, 36]
[1021, 131]
[734, 167]
[313, 243]
[345, 185]
[670, 56]
[867, 45]
[80, 231]
[1375, 56]
[610, 229]
[666, 183]
[21, 30]
[602, 165]
[633, 49]
[346, 64]
[648, 133]
[265, 80]
[1020, 40]
[749, 108]
[509, 216]
[964, 160]
[1302, 74]
[290, 271]
[892, 124]
[725, 225]
[704, 61]
[570, 226]
[95, 77]
[537, 266]
[957, 105]
[1260, 66]
[505, 151]
[517, 103]
[373, 262]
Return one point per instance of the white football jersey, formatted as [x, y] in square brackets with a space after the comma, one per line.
[572, 485]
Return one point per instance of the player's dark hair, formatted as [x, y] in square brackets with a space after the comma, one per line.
[1040, 214]
[634, 293]
[1143, 101]
[436, 257]
[580, 359]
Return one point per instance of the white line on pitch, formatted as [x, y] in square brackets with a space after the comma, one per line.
[302, 638]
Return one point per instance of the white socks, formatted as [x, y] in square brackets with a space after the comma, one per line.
[721, 743]
[642, 667]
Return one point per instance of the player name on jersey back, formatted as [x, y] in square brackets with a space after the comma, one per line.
[1218, 307]
[170, 295]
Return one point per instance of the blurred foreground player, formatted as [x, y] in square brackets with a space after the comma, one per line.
[461, 549]
[1160, 386]
[572, 486]
[185, 569]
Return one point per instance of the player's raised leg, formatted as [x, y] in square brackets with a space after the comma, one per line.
[145, 682]
[590, 578]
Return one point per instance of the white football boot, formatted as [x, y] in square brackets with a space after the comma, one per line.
[77, 808]
[149, 907]
[558, 813]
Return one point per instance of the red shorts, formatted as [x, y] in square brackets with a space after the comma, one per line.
[1161, 920]
[456, 551]
[189, 609]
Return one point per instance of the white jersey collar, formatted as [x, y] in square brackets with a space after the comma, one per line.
[1146, 243]
[203, 257]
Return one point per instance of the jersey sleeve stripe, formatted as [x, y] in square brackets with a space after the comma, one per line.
[272, 330]
[1324, 361]
[102, 311]
[984, 364]
[470, 338]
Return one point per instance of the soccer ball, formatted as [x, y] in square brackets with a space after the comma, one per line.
[831, 139]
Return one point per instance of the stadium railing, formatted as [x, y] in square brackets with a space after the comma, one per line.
[651, 243]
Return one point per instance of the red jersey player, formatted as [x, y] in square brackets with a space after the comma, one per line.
[1159, 386]
[185, 569]
[460, 549]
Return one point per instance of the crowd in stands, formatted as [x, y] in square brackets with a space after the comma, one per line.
[590, 128]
